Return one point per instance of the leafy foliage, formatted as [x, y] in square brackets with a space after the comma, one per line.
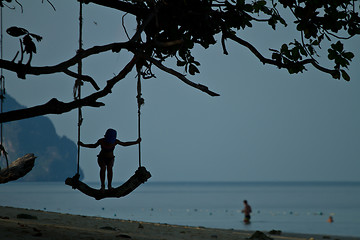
[199, 21]
[173, 27]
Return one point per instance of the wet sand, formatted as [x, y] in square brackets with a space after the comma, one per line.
[24, 224]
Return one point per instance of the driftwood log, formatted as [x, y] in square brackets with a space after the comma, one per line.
[141, 176]
[18, 168]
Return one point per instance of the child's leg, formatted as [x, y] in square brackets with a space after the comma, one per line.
[102, 166]
[109, 166]
[109, 176]
[102, 177]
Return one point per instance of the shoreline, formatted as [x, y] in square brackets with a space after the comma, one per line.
[24, 224]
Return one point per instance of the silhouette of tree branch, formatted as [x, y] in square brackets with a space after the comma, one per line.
[181, 77]
[82, 77]
[22, 69]
[120, 5]
[55, 106]
[279, 64]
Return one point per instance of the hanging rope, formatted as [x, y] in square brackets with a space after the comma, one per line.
[141, 174]
[77, 88]
[140, 102]
[2, 92]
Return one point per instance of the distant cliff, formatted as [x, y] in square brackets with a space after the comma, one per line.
[56, 156]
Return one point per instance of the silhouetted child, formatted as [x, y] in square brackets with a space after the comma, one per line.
[106, 156]
[247, 210]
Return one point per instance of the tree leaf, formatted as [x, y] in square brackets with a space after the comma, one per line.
[332, 54]
[196, 63]
[180, 63]
[348, 55]
[29, 44]
[16, 31]
[345, 76]
[37, 37]
[193, 69]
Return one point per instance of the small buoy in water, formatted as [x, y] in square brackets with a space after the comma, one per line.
[330, 219]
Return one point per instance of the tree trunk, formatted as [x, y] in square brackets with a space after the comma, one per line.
[141, 176]
[18, 168]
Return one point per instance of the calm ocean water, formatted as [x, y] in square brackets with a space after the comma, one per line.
[290, 207]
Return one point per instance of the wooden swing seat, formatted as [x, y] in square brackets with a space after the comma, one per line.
[141, 176]
[18, 168]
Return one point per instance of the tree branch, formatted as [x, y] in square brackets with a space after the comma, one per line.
[56, 107]
[277, 63]
[181, 77]
[120, 5]
[83, 77]
[22, 69]
[18, 168]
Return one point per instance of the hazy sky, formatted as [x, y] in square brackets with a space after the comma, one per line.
[267, 125]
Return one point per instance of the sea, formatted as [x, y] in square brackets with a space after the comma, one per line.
[296, 207]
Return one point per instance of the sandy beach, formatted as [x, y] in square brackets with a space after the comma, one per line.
[23, 224]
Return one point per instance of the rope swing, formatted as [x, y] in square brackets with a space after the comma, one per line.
[21, 166]
[140, 102]
[141, 175]
[2, 93]
[77, 90]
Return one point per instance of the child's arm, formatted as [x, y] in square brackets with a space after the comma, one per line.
[94, 145]
[128, 143]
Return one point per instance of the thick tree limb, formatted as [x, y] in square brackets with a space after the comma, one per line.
[18, 168]
[22, 69]
[119, 5]
[56, 107]
[181, 77]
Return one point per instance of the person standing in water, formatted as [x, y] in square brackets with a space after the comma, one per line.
[106, 156]
[247, 210]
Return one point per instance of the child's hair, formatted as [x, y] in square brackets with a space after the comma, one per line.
[110, 135]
